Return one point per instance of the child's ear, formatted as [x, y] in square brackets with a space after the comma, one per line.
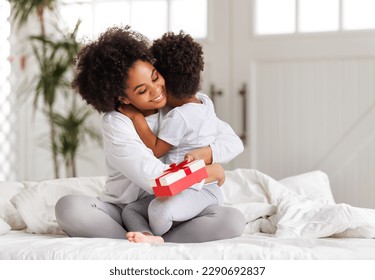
[124, 100]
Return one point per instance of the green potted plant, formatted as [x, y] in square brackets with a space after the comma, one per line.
[72, 131]
[54, 51]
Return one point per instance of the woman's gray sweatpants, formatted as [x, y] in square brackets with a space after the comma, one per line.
[84, 216]
[163, 211]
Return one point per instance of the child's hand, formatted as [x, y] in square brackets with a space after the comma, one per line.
[129, 110]
[190, 157]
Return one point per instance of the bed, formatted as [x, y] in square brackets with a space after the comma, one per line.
[294, 218]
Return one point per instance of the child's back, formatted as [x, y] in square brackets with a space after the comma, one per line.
[188, 127]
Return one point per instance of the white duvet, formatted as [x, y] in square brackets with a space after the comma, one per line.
[288, 209]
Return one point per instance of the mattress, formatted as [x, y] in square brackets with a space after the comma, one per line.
[25, 246]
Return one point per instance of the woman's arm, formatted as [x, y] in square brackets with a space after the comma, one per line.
[227, 144]
[215, 173]
[126, 153]
[158, 146]
[225, 148]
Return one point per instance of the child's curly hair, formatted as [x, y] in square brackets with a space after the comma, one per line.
[179, 59]
[102, 66]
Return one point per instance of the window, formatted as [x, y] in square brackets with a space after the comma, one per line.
[275, 16]
[358, 14]
[7, 116]
[150, 17]
[318, 15]
[302, 16]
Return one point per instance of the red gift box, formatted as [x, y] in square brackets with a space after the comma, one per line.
[179, 177]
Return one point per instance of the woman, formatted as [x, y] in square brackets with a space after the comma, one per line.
[114, 68]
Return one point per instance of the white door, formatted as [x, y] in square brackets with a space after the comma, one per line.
[217, 55]
[222, 78]
[310, 102]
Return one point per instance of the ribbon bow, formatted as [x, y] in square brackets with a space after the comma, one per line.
[174, 168]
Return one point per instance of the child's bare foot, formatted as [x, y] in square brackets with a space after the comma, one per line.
[143, 237]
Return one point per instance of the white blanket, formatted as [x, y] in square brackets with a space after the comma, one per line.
[277, 209]
[296, 207]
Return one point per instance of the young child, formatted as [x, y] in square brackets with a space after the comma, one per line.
[190, 124]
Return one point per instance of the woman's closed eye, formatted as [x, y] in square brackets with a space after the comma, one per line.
[155, 77]
[142, 91]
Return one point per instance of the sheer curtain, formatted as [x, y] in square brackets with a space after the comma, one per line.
[7, 116]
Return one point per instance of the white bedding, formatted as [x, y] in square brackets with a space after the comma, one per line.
[288, 214]
[287, 219]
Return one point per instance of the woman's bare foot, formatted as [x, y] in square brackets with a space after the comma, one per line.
[143, 237]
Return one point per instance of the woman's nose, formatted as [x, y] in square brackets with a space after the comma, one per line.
[156, 89]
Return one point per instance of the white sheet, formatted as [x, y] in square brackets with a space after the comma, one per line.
[24, 246]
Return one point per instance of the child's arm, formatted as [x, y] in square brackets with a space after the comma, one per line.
[215, 173]
[158, 146]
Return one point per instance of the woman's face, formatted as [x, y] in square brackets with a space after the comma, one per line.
[145, 88]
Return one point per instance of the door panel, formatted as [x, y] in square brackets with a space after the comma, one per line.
[310, 104]
[217, 55]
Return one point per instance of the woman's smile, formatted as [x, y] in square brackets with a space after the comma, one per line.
[159, 98]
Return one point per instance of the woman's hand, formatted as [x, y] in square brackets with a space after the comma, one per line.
[215, 173]
[201, 153]
[129, 110]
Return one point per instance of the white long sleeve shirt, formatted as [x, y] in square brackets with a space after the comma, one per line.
[130, 164]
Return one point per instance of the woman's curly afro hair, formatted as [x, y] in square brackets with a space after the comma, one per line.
[179, 59]
[102, 66]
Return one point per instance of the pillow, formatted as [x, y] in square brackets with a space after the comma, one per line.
[314, 185]
[4, 227]
[243, 186]
[36, 203]
[8, 212]
[9, 189]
